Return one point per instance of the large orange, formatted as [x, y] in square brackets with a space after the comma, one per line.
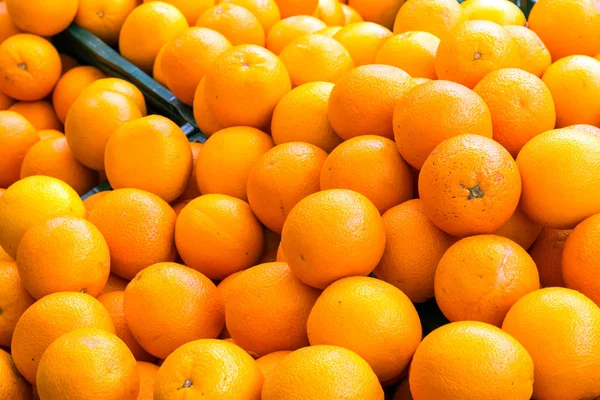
[289, 8]
[41, 17]
[7, 27]
[380, 12]
[12, 384]
[17, 135]
[122, 86]
[535, 57]
[40, 113]
[234, 22]
[520, 229]
[501, 12]
[14, 300]
[205, 119]
[363, 40]
[469, 185]
[413, 52]
[351, 15]
[266, 11]
[104, 18]
[547, 252]
[437, 17]
[70, 86]
[191, 9]
[148, 374]
[290, 28]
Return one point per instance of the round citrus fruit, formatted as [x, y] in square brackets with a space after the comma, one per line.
[535, 57]
[380, 12]
[44, 18]
[501, 12]
[413, 52]
[104, 18]
[234, 22]
[363, 40]
[520, 229]
[437, 17]
[290, 28]
[547, 252]
[40, 113]
[14, 300]
[12, 384]
[17, 136]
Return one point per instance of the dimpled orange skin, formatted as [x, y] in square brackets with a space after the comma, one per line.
[560, 330]
[266, 11]
[520, 229]
[322, 372]
[433, 112]
[148, 374]
[122, 86]
[138, 227]
[290, 28]
[268, 363]
[281, 178]
[501, 12]
[333, 234]
[535, 57]
[289, 8]
[205, 119]
[569, 194]
[44, 18]
[434, 16]
[104, 18]
[362, 101]
[381, 12]
[454, 361]
[40, 113]
[7, 27]
[547, 252]
[233, 238]
[14, 300]
[413, 52]
[234, 22]
[17, 135]
[93, 200]
[413, 248]
[48, 319]
[330, 12]
[70, 86]
[363, 40]
[12, 384]
[156, 145]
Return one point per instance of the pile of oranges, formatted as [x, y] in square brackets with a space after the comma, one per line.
[361, 158]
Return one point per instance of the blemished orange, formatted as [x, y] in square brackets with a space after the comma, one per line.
[290, 8]
[380, 12]
[40, 17]
[468, 360]
[338, 228]
[249, 79]
[224, 164]
[315, 58]
[138, 227]
[157, 72]
[187, 58]
[159, 147]
[520, 229]
[560, 330]
[330, 12]
[437, 17]
[104, 18]
[211, 368]
[147, 29]
[290, 28]
[12, 384]
[547, 252]
[302, 116]
[268, 363]
[520, 104]
[29, 67]
[560, 179]
[53, 157]
[266, 11]
[433, 112]
[233, 237]
[473, 50]
[148, 374]
[191, 9]
[535, 57]
[70, 86]
[33, 200]
[191, 191]
[322, 372]
[40, 113]
[49, 318]
[413, 248]
[114, 284]
[348, 314]
[50, 134]
[574, 82]
[501, 12]
[363, 40]
[329, 31]
[122, 86]
[5, 101]
[234, 22]
[205, 119]
[68, 63]
[469, 185]
[91, 121]
[578, 21]
[372, 166]
[351, 15]
[14, 300]
[362, 101]
[17, 135]
[92, 201]
[89, 362]
[7, 27]
[413, 52]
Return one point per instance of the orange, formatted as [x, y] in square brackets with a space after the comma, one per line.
[413, 52]
[473, 50]
[301, 116]
[578, 21]
[521, 106]
[205, 119]
[266, 11]
[12, 384]
[413, 248]
[560, 330]
[249, 79]
[7, 27]
[322, 372]
[92, 201]
[329, 31]
[209, 368]
[50, 134]
[29, 67]
[33, 200]
[157, 72]
[147, 29]
[226, 159]
[70, 86]
[437, 17]
[351, 15]
[333, 234]
[587, 128]
[5, 101]
[363, 100]
[52, 157]
[115, 284]
[349, 314]
[232, 237]
[40, 17]
[39, 113]
[535, 57]
[547, 252]
[560, 179]
[268, 363]
[148, 374]
[330, 12]
[272, 242]
[88, 362]
[151, 153]
[235, 22]
[289, 8]
[186, 60]
[380, 12]
[191, 9]
[68, 63]
[502, 12]
[14, 300]
[469, 185]
[17, 135]
[104, 18]
[138, 227]
[363, 40]
[433, 112]
[471, 359]
[91, 121]
[178, 206]
[314, 57]
[290, 28]
[521, 229]
[122, 86]
[47, 320]
[191, 191]
[574, 82]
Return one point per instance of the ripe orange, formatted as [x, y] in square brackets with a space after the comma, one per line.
[205, 119]
[50, 134]
[14, 300]
[330, 12]
[17, 135]
[235, 22]
[39, 113]
[12, 384]
[157, 72]
[350, 15]
[70, 86]
[363, 40]
[104, 18]
[268, 363]
[266, 11]
[468, 360]
[148, 374]
[191, 190]
[433, 112]
[547, 252]
[501, 12]
[329, 31]
[115, 284]
[290, 28]
[535, 57]
[44, 18]
[7, 27]
[5, 101]
[413, 52]
[122, 86]
[560, 328]
[289, 8]
[380, 12]
[92, 201]
[521, 229]
[191, 9]
[469, 185]
[437, 17]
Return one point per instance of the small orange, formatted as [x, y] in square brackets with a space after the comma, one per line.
[535, 57]
[5, 101]
[205, 119]
[330, 12]
[7, 27]
[148, 374]
[290, 28]
[68, 63]
[521, 229]
[234, 22]
[122, 86]
[92, 201]
[268, 363]
[17, 135]
[14, 300]
[413, 52]
[191, 9]
[329, 31]
[351, 15]
[266, 11]
[289, 8]
[114, 284]
[104, 18]
[363, 40]
[70, 86]
[501, 12]
[40, 17]
[380, 12]
[40, 113]
[547, 252]
[191, 191]
[437, 17]
[50, 134]
[336, 228]
[233, 239]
